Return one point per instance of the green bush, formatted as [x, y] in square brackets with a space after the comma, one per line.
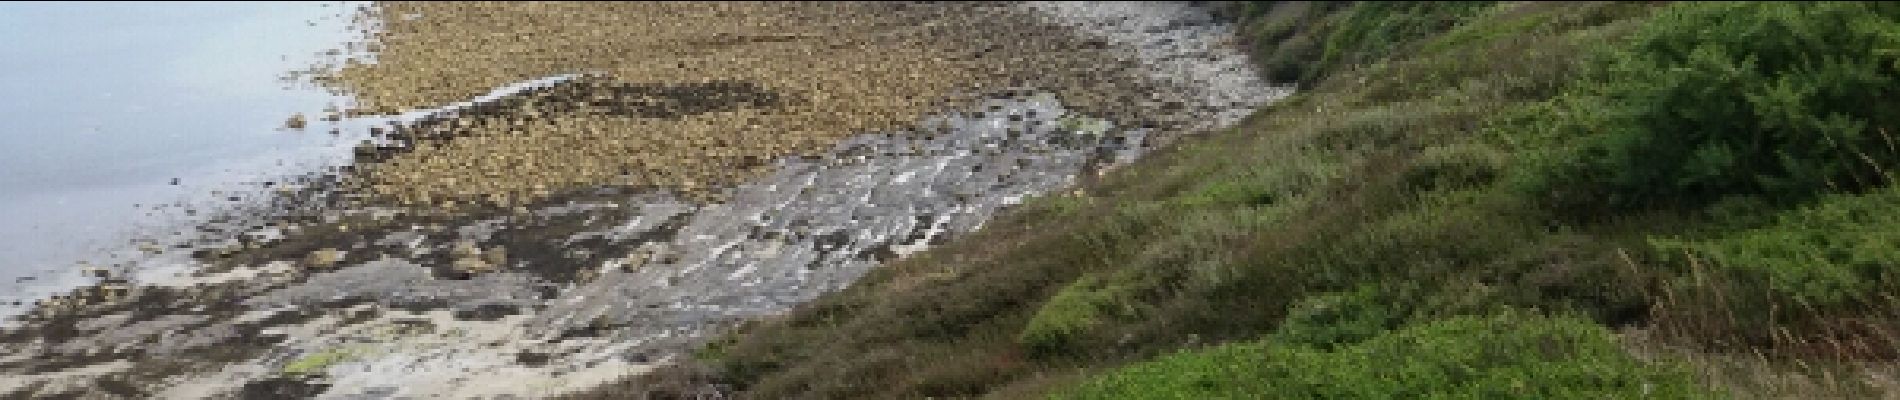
[1779, 99]
[1509, 355]
[1073, 311]
[1302, 42]
[1454, 166]
[1337, 319]
[1836, 251]
[1372, 30]
[1286, 35]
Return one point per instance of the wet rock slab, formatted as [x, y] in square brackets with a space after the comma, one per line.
[401, 284]
[812, 227]
[815, 226]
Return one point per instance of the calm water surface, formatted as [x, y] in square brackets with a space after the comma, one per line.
[103, 105]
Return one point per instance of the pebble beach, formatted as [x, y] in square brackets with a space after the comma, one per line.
[555, 196]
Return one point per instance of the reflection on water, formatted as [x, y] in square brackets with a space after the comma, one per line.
[107, 109]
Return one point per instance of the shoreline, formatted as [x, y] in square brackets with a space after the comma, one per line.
[283, 283]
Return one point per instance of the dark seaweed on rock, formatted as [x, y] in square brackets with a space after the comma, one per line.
[585, 96]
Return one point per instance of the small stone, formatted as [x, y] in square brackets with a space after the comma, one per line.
[115, 291]
[465, 249]
[497, 256]
[296, 121]
[323, 258]
[471, 265]
[94, 272]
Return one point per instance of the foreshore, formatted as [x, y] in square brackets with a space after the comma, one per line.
[710, 164]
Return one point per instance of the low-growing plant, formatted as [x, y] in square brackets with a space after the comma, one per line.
[1837, 251]
[1329, 320]
[1074, 310]
[1455, 166]
[1508, 355]
[1372, 30]
[1303, 42]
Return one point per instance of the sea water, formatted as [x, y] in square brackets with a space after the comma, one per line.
[124, 120]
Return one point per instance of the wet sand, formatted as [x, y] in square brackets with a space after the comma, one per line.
[606, 224]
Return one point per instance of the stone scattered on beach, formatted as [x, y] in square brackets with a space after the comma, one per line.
[471, 265]
[496, 256]
[322, 258]
[718, 90]
[296, 121]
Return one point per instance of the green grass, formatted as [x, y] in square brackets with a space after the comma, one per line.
[1504, 356]
[1076, 308]
[1304, 42]
[1832, 253]
[1370, 228]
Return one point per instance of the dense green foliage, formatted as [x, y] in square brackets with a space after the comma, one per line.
[1405, 227]
[1078, 307]
[1369, 31]
[1504, 356]
[1840, 250]
[1336, 319]
[1779, 99]
[1303, 41]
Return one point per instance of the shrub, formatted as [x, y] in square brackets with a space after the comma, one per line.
[1073, 311]
[1454, 166]
[1373, 30]
[1338, 319]
[1303, 42]
[1286, 35]
[1836, 251]
[1713, 99]
[1509, 355]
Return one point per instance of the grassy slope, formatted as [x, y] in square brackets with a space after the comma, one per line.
[1354, 234]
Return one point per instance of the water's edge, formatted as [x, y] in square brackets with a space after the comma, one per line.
[670, 272]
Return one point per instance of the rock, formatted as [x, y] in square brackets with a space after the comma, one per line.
[296, 121]
[497, 256]
[114, 291]
[465, 249]
[323, 258]
[397, 283]
[472, 265]
[485, 312]
[91, 271]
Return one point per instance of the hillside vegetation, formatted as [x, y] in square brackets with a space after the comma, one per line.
[1466, 200]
